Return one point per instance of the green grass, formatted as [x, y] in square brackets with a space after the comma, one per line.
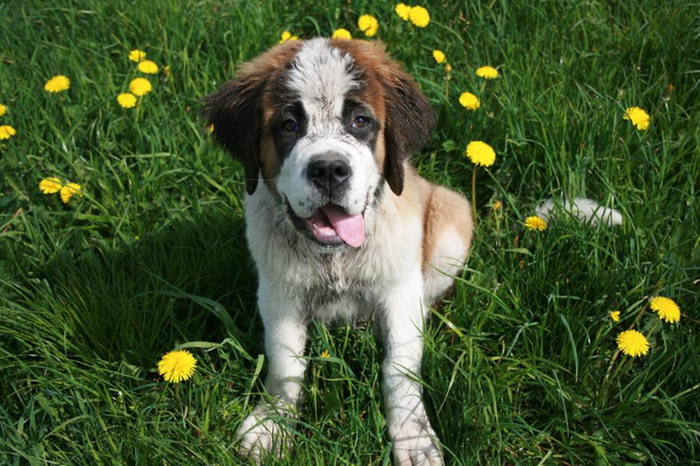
[519, 363]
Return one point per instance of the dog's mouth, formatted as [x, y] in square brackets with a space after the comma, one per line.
[330, 225]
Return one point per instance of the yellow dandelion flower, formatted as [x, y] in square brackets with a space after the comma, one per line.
[6, 132]
[638, 117]
[211, 128]
[70, 190]
[148, 67]
[497, 205]
[50, 185]
[487, 72]
[368, 24]
[448, 68]
[469, 101]
[127, 100]
[140, 86]
[325, 354]
[632, 343]
[3, 110]
[286, 35]
[535, 223]
[419, 16]
[615, 316]
[667, 309]
[57, 84]
[439, 56]
[137, 55]
[480, 153]
[177, 366]
[403, 11]
[341, 34]
[166, 70]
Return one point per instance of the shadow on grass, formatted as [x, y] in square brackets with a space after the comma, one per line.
[194, 281]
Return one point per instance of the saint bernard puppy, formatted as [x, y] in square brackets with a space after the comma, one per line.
[340, 226]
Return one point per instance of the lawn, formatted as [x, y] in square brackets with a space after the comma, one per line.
[521, 364]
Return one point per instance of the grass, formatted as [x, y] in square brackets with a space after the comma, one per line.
[520, 364]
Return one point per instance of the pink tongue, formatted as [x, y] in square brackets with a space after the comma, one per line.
[350, 228]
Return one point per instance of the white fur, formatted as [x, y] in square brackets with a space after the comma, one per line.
[321, 71]
[383, 278]
[415, 441]
[322, 78]
[285, 338]
[300, 192]
[585, 209]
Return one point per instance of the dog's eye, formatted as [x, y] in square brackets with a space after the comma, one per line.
[361, 122]
[289, 126]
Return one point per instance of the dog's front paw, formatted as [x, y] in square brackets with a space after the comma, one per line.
[261, 434]
[415, 444]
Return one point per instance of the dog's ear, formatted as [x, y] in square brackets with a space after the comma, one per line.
[236, 109]
[409, 121]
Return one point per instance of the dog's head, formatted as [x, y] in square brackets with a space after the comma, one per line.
[325, 124]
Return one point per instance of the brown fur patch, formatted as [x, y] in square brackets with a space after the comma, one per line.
[237, 111]
[445, 209]
[405, 114]
[269, 160]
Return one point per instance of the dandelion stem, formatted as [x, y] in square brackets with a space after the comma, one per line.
[138, 107]
[474, 194]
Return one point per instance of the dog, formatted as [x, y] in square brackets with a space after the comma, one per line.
[340, 225]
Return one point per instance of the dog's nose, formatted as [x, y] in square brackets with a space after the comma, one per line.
[329, 174]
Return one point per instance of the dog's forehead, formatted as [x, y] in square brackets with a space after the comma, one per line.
[322, 76]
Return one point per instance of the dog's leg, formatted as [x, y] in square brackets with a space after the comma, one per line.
[448, 235]
[262, 431]
[415, 442]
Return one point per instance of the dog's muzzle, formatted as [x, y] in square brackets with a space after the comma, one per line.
[330, 225]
